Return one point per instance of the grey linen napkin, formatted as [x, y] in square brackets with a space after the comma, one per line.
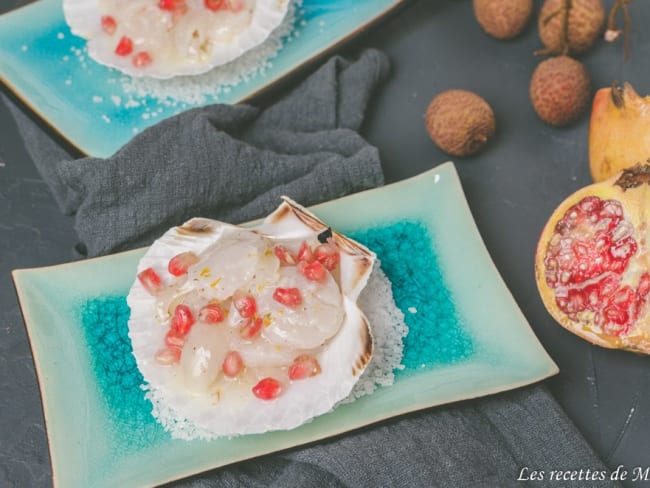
[230, 163]
[233, 163]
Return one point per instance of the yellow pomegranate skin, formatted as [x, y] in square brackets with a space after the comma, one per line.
[632, 191]
[619, 131]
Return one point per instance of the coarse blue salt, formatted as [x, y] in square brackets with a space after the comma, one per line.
[106, 118]
[60, 35]
[116, 99]
[24, 47]
[437, 334]
[97, 99]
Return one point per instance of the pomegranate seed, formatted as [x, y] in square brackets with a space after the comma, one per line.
[182, 320]
[314, 271]
[287, 296]
[305, 254]
[251, 328]
[232, 364]
[236, 5]
[168, 356]
[179, 264]
[108, 24]
[174, 339]
[328, 255]
[124, 46]
[151, 281]
[304, 366]
[244, 304]
[215, 5]
[175, 6]
[284, 255]
[267, 389]
[211, 314]
[141, 59]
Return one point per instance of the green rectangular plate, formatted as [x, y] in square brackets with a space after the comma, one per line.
[467, 338]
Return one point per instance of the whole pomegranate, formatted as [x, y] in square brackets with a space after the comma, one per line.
[592, 264]
[619, 131]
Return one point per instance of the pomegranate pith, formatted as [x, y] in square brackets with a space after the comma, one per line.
[593, 262]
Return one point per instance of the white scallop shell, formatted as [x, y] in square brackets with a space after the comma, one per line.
[84, 19]
[342, 361]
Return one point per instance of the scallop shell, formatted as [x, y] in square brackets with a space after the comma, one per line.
[342, 361]
[84, 19]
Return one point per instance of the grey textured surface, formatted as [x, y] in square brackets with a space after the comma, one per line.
[511, 187]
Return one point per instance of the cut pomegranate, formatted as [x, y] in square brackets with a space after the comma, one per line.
[211, 314]
[267, 389]
[179, 264]
[284, 255]
[287, 296]
[304, 366]
[314, 271]
[215, 5]
[108, 24]
[232, 364]
[305, 254]
[183, 319]
[244, 304]
[251, 328]
[151, 281]
[141, 59]
[328, 255]
[124, 46]
[591, 262]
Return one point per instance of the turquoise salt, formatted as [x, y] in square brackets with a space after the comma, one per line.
[436, 335]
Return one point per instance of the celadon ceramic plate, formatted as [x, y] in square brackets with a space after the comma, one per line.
[467, 338]
[93, 106]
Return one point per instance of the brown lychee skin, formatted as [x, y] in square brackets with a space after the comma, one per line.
[503, 19]
[586, 18]
[560, 90]
[460, 122]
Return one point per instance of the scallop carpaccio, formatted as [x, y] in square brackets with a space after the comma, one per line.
[593, 262]
[245, 330]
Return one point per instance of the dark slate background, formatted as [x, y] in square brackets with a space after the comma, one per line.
[512, 188]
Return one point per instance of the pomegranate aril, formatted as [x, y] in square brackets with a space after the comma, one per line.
[328, 255]
[267, 389]
[175, 6]
[168, 356]
[174, 339]
[284, 255]
[314, 271]
[182, 320]
[236, 5]
[215, 5]
[211, 314]
[232, 364]
[108, 24]
[141, 59]
[304, 366]
[251, 328]
[244, 304]
[179, 264]
[305, 254]
[287, 296]
[150, 280]
[124, 46]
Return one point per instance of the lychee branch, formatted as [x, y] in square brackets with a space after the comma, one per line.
[612, 33]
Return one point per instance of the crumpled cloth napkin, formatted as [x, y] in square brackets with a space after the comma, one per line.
[228, 162]
[233, 163]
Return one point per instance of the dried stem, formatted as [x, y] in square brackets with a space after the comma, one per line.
[613, 32]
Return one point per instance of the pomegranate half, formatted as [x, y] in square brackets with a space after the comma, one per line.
[592, 264]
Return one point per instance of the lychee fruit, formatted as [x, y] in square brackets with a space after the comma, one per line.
[460, 122]
[570, 26]
[560, 90]
[503, 19]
